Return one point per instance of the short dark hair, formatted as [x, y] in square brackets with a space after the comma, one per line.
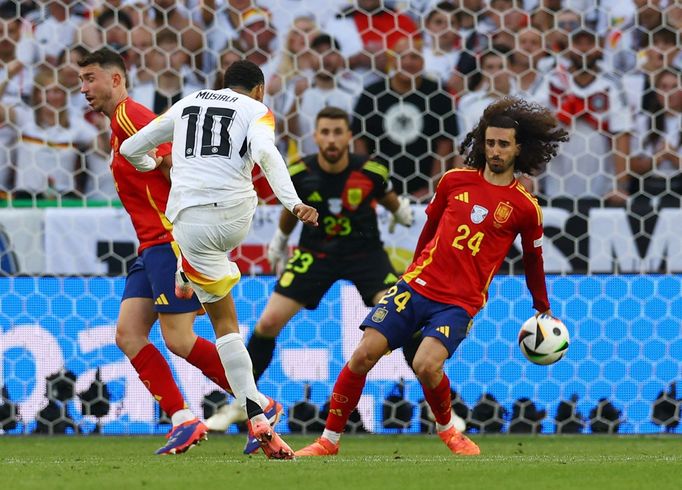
[325, 40]
[106, 58]
[331, 112]
[536, 130]
[243, 74]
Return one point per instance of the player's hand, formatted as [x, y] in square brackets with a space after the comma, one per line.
[152, 154]
[404, 215]
[548, 313]
[278, 252]
[307, 214]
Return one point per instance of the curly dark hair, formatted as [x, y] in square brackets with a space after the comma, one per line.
[537, 132]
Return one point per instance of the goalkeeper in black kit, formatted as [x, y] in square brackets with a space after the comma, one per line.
[344, 188]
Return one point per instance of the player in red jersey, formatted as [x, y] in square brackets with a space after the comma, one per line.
[150, 286]
[473, 219]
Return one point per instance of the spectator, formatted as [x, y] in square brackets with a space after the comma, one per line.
[173, 79]
[530, 61]
[408, 121]
[67, 70]
[544, 16]
[333, 85]
[112, 28]
[368, 29]
[657, 163]
[630, 25]
[222, 24]
[50, 160]
[15, 88]
[495, 81]
[174, 15]
[55, 27]
[594, 162]
[661, 53]
[295, 68]
[256, 39]
[441, 43]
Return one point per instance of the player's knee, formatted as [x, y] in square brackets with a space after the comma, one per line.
[363, 359]
[269, 325]
[179, 346]
[429, 371]
[129, 341]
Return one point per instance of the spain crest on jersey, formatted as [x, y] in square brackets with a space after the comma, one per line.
[354, 195]
[502, 212]
[478, 214]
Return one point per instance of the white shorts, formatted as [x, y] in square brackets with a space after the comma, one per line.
[206, 234]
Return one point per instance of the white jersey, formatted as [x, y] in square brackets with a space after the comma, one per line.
[217, 137]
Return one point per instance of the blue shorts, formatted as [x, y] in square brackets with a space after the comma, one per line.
[402, 312]
[153, 276]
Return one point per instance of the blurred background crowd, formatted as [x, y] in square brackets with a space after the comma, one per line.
[415, 75]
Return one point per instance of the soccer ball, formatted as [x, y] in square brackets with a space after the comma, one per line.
[543, 339]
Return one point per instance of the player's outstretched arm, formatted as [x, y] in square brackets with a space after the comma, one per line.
[136, 148]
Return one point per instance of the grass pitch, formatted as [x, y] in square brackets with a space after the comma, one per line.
[397, 462]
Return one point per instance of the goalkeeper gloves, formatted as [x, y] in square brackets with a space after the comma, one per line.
[403, 215]
[278, 252]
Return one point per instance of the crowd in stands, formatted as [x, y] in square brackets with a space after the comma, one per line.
[416, 76]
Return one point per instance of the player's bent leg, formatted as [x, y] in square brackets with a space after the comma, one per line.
[347, 391]
[428, 365]
[178, 332]
[135, 319]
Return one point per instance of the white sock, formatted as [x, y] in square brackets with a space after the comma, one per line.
[239, 370]
[332, 436]
[441, 428]
[182, 416]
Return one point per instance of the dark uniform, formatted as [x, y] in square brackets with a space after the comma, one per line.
[347, 243]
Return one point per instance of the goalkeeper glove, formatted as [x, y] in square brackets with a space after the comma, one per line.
[403, 215]
[278, 252]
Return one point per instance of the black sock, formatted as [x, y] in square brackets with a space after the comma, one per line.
[261, 350]
[252, 408]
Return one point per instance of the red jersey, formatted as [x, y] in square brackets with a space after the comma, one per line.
[143, 194]
[470, 228]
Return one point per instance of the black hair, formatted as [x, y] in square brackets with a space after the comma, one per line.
[106, 58]
[536, 128]
[243, 74]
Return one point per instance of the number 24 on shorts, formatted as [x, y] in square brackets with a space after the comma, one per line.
[400, 300]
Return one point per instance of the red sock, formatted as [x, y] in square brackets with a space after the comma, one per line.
[156, 375]
[345, 398]
[440, 401]
[204, 355]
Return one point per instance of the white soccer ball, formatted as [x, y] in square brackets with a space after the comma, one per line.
[543, 339]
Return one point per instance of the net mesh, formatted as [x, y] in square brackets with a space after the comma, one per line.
[415, 75]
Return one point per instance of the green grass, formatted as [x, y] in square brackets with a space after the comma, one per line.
[394, 462]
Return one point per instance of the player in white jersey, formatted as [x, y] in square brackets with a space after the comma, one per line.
[217, 137]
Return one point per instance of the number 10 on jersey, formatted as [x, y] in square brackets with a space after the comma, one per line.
[212, 143]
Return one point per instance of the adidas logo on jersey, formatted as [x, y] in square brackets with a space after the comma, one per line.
[445, 330]
[315, 197]
[464, 197]
[161, 300]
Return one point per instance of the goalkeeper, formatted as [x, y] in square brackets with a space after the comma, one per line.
[347, 245]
